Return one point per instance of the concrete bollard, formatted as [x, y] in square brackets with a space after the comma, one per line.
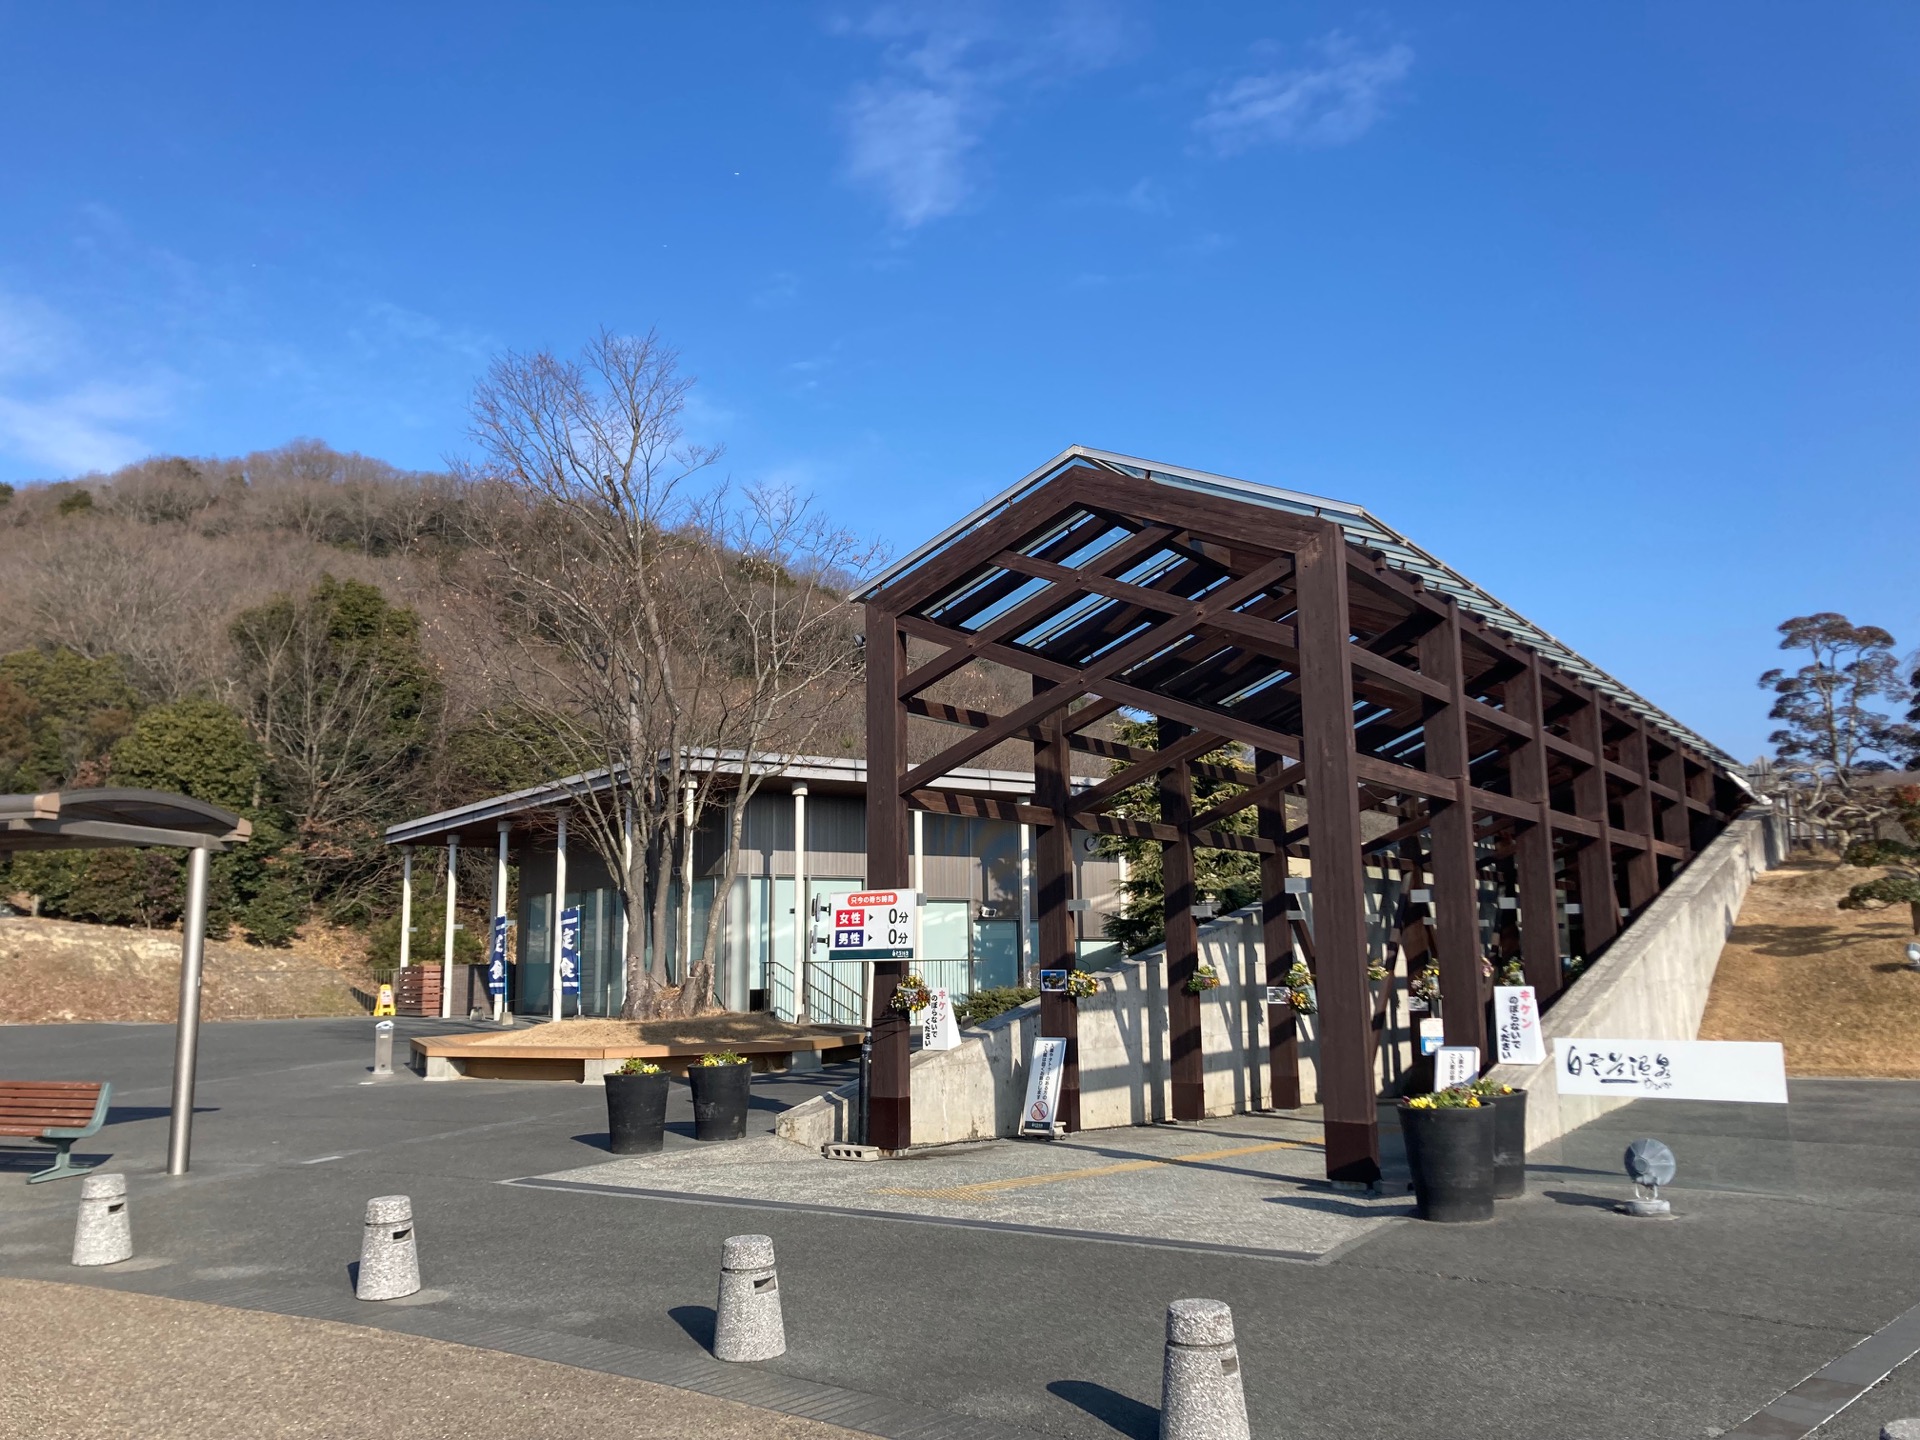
[747, 1323]
[1900, 1430]
[102, 1235]
[389, 1259]
[1200, 1392]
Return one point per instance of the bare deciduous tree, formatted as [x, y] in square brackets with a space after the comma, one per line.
[664, 631]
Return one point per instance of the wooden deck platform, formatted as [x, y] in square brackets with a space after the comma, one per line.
[495, 1055]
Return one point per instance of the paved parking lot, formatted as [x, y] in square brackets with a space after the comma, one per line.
[1796, 1238]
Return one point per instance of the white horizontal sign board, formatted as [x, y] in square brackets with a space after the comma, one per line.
[1754, 1071]
[874, 925]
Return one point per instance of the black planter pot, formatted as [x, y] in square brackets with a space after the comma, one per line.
[1509, 1144]
[1451, 1155]
[636, 1113]
[719, 1100]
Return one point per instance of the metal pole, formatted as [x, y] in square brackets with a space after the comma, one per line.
[186, 1035]
[559, 903]
[626, 878]
[446, 950]
[920, 851]
[866, 1086]
[1029, 942]
[406, 905]
[687, 789]
[802, 914]
[499, 909]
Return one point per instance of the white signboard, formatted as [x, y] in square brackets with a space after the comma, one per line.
[874, 925]
[1516, 1018]
[1043, 1086]
[1433, 1034]
[1455, 1065]
[1749, 1070]
[938, 1029]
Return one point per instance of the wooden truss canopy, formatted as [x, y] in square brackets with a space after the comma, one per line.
[1414, 722]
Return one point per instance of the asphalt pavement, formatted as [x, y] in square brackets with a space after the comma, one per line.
[1794, 1239]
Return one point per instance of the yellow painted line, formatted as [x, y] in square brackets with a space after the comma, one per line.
[981, 1189]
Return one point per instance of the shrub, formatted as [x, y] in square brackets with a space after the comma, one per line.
[383, 941]
[982, 1005]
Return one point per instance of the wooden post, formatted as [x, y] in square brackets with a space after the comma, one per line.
[1674, 828]
[1276, 934]
[1183, 938]
[889, 1102]
[1643, 871]
[1059, 1015]
[1456, 890]
[1339, 903]
[1599, 901]
[1533, 841]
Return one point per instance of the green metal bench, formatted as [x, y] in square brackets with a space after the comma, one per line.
[54, 1113]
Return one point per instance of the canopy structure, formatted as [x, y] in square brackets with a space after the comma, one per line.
[107, 819]
[1411, 720]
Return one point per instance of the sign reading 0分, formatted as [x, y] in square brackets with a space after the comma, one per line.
[1746, 1070]
[875, 925]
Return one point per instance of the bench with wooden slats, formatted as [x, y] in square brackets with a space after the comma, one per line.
[55, 1113]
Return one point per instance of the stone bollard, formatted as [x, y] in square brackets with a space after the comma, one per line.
[1200, 1393]
[748, 1324]
[1900, 1430]
[102, 1235]
[389, 1260]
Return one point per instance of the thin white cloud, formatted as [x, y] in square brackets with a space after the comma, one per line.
[52, 412]
[1332, 102]
[914, 133]
[910, 142]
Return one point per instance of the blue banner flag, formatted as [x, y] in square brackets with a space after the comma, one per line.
[497, 958]
[570, 950]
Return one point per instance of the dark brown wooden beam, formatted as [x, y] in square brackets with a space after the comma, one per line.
[1276, 934]
[1533, 844]
[1188, 1063]
[1339, 901]
[1456, 886]
[889, 1093]
[1053, 887]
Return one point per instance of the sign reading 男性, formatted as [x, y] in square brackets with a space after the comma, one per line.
[874, 925]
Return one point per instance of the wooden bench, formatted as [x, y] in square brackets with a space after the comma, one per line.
[55, 1113]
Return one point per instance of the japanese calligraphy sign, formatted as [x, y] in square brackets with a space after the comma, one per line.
[1744, 1070]
[570, 950]
[497, 958]
[1516, 1017]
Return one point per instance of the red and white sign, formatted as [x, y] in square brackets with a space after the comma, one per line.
[1516, 1018]
[875, 925]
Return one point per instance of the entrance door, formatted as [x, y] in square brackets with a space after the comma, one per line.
[996, 954]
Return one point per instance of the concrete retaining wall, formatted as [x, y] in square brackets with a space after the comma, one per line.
[1652, 983]
[975, 1092]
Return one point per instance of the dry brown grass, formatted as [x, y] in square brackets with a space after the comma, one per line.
[1831, 985]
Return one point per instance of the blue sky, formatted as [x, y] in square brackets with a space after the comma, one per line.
[1612, 307]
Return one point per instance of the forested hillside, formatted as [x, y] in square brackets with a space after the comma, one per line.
[293, 634]
[275, 633]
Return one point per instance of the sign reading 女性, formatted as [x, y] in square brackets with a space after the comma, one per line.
[1754, 1071]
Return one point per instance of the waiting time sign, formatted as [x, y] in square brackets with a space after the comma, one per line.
[875, 925]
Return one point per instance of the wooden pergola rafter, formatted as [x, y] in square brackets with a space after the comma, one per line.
[1358, 679]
